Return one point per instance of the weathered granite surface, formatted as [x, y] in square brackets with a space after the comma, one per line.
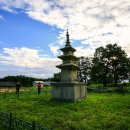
[69, 89]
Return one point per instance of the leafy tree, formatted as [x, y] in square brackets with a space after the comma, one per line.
[83, 73]
[56, 77]
[129, 70]
[100, 66]
[119, 63]
[110, 63]
[25, 81]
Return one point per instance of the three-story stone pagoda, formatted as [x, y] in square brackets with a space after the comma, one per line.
[69, 89]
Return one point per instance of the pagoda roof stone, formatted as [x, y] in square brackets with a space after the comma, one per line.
[68, 57]
[68, 48]
[69, 66]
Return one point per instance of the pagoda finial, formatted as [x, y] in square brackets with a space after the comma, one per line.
[67, 39]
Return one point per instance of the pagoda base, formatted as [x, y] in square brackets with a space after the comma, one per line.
[68, 91]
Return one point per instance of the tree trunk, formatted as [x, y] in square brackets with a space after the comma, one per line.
[115, 79]
[105, 77]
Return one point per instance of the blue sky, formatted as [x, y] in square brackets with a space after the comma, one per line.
[18, 30]
[32, 31]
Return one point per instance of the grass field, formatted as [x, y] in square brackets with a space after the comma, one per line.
[97, 111]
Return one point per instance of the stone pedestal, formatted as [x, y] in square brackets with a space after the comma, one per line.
[68, 91]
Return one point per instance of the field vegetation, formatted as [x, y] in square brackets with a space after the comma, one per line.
[96, 111]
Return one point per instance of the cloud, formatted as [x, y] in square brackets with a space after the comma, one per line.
[84, 51]
[96, 23]
[27, 61]
[54, 48]
[30, 72]
[11, 6]
[27, 57]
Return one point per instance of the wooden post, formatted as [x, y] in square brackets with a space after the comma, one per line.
[4, 95]
[10, 121]
[99, 89]
[33, 125]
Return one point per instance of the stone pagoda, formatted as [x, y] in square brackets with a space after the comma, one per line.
[69, 89]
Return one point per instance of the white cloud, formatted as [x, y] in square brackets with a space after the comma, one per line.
[26, 57]
[11, 5]
[54, 48]
[30, 72]
[84, 51]
[27, 61]
[94, 22]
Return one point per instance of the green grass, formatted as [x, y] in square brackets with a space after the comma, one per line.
[94, 85]
[97, 111]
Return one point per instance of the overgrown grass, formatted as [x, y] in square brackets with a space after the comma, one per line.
[97, 111]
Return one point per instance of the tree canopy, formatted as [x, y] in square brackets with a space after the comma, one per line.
[25, 81]
[84, 64]
[110, 64]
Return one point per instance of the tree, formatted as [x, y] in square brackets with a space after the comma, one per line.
[119, 63]
[129, 69]
[56, 77]
[83, 73]
[100, 66]
[25, 81]
[110, 63]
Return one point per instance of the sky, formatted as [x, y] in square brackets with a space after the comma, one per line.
[33, 31]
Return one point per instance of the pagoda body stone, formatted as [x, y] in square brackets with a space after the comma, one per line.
[69, 89]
